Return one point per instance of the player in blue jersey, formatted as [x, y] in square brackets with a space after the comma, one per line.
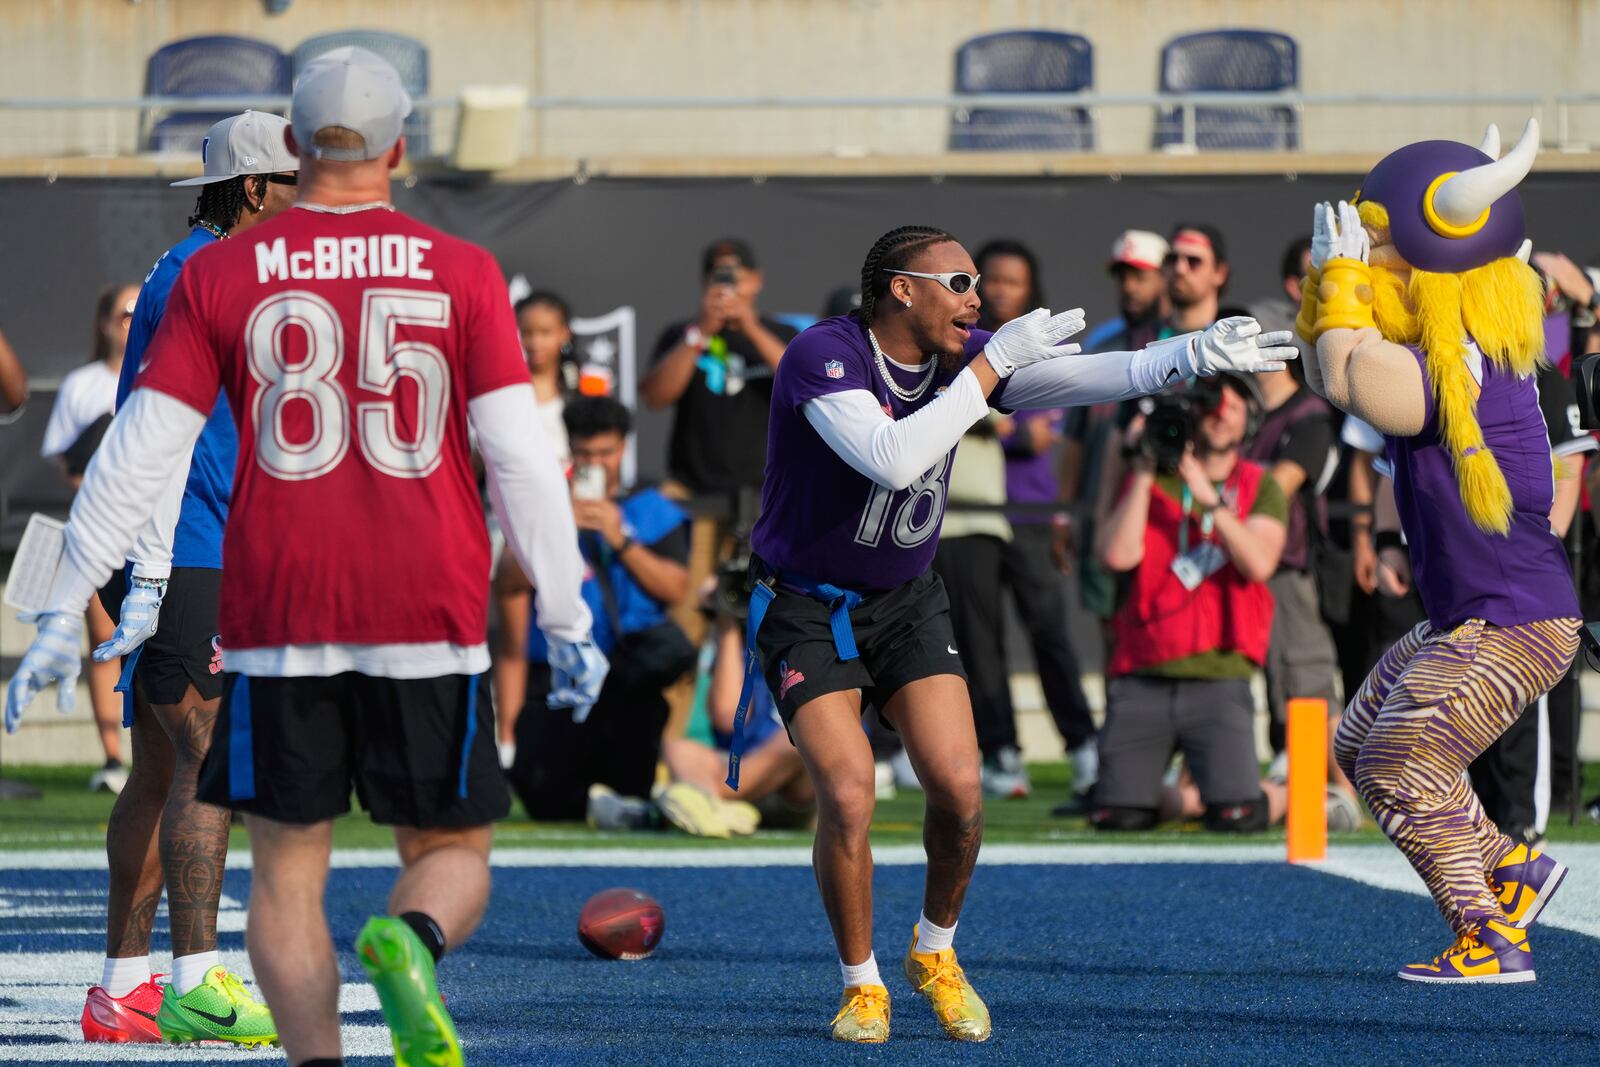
[172, 675]
[866, 413]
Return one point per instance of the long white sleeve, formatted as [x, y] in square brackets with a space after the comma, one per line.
[152, 549]
[149, 441]
[1070, 381]
[530, 498]
[894, 452]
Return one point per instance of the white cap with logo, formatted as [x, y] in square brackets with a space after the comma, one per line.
[354, 89]
[251, 143]
[1138, 248]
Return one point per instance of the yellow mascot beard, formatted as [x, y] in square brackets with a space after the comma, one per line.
[1500, 306]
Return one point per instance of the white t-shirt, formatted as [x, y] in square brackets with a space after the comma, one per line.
[86, 394]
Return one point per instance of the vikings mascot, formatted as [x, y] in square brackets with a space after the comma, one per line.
[1427, 324]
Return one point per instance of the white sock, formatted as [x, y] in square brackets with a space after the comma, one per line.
[190, 971]
[120, 977]
[859, 974]
[934, 938]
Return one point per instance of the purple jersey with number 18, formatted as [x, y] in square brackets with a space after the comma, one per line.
[820, 518]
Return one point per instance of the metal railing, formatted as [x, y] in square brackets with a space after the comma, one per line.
[1186, 105]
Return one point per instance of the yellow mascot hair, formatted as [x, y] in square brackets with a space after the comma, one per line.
[1500, 306]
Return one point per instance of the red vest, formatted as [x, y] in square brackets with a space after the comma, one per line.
[1162, 621]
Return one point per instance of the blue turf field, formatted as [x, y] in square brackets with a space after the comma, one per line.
[1127, 963]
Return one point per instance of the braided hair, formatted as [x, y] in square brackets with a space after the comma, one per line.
[893, 251]
[221, 203]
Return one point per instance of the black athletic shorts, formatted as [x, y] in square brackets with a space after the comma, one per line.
[184, 650]
[902, 636]
[419, 752]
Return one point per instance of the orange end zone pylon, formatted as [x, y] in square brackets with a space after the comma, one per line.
[1307, 821]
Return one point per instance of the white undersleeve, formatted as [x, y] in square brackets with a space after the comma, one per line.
[531, 500]
[895, 452]
[148, 443]
[1082, 379]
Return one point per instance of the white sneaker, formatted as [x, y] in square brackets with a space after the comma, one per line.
[109, 779]
[883, 780]
[1085, 766]
[609, 810]
[1005, 776]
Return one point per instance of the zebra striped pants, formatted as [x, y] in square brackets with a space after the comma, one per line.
[1433, 703]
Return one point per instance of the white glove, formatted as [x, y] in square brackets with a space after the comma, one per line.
[577, 671]
[141, 608]
[1350, 241]
[1323, 228]
[55, 656]
[1032, 338]
[1237, 344]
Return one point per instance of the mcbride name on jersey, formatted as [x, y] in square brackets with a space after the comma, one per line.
[348, 345]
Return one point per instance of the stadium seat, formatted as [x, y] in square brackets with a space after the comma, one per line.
[208, 66]
[1238, 61]
[407, 55]
[1024, 61]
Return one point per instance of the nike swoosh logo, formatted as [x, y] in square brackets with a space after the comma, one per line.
[1172, 373]
[233, 1016]
[147, 1014]
[951, 649]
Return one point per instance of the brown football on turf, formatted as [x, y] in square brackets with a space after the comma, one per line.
[621, 924]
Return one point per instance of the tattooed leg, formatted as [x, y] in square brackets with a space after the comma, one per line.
[131, 851]
[194, 835]
[934, 719]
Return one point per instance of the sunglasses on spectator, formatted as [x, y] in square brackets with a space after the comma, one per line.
[1193, 262]
[284, 179]
[957, 281]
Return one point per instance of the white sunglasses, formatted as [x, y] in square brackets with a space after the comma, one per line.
[957, 281]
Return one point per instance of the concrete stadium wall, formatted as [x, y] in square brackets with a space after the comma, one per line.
[822, 47]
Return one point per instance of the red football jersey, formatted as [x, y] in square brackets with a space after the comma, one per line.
[348, 346]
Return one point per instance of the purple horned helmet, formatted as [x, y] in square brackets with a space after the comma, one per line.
[1453, 208]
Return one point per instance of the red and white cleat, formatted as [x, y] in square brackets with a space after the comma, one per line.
[129, 1019]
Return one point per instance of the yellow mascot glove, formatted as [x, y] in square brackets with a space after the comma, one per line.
[1306, 322]
[1344, 297]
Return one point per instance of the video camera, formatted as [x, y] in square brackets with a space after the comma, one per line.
[1586, 379]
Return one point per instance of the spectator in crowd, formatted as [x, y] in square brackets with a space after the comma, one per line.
[1200, 537]
[1528, 769]
[715, 369]
[635, 544]
[1136, 266]
[1297, 443]
[13, 379]
[545, 323]
[1196, 268]
[771, 775]
[82, 412]
[971, 560]
[1036, 556]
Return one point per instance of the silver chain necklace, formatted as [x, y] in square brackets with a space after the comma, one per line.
[908, 395]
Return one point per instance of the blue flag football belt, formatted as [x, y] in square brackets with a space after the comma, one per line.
[840, 603]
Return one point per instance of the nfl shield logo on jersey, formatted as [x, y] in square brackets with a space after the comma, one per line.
[834, 368]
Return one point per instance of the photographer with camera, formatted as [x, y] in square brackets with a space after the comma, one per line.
[1201, 530]
[635, 544]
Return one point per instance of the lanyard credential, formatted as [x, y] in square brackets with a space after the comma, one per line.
[1207, 521]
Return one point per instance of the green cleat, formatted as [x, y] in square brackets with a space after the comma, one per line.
[401, 969]
[218, 1009]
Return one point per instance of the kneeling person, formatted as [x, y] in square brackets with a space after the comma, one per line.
[1201, 537]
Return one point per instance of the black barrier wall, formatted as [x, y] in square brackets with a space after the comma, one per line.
[604, 243]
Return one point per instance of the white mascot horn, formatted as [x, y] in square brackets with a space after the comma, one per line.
[1466, 196]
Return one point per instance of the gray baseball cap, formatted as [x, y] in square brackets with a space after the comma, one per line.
[354, 89]
[251, 143]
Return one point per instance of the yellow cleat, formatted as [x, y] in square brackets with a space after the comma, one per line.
[957, 1006]
[863, 1015]
[692, 810]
